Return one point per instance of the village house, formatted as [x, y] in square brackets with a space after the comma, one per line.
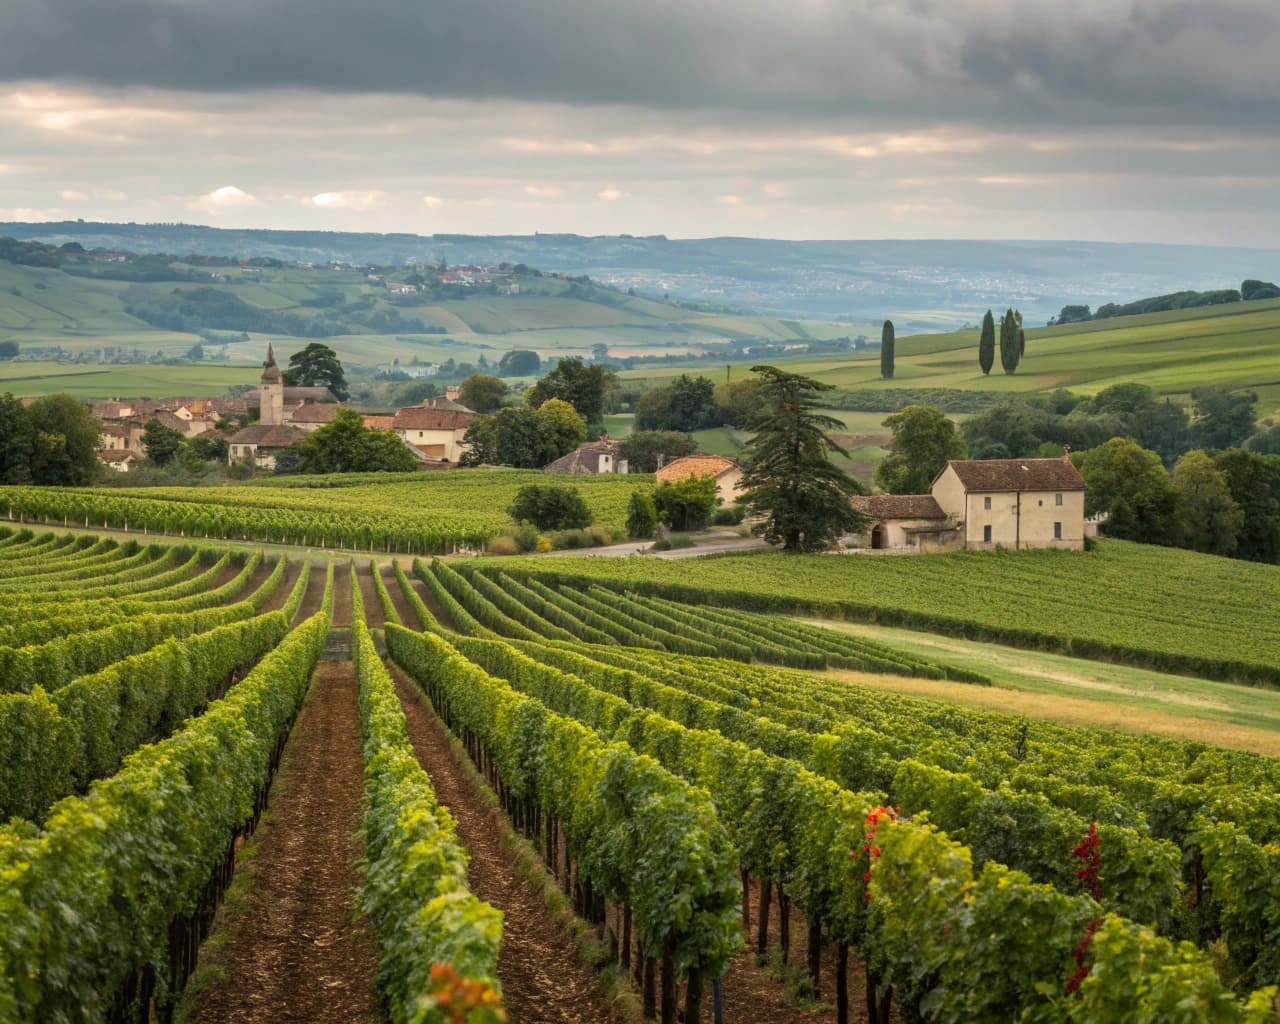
[434, 430]
[589, 459]
[984, 504]
[726, 473]
[120, 461]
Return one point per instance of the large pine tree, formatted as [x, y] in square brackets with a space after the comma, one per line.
[886, 350]
[787, 471]
[987, 343]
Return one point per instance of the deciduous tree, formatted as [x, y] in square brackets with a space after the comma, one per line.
[346, 445]
[1209, 518]
[924, 439]
[1130, 485]
[642, 448]
[483, 393]
[17, 441]
[66, 441]
[161, 442]
[580, 385]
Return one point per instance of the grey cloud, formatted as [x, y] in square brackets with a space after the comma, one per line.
[1167, 62]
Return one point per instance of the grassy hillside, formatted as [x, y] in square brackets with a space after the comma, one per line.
[1237, 346]
[1161, 608]
[99, 321]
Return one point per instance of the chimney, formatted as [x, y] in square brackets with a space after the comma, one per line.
[452, 392]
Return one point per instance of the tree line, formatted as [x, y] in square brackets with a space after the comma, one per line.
[1248, 291]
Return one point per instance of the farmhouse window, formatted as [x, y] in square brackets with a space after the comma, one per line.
[986, 532]
[1057, 499]
[986, 502]
[1057, 531]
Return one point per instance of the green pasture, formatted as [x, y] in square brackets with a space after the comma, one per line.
[1235, 346]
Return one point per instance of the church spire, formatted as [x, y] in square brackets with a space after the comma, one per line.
[270, 371]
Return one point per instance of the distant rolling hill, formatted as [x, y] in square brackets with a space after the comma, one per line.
[922, 284]
[79, 311]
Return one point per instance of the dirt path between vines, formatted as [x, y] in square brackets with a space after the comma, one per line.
[314, 595]
[543, 981]
[296, 956]
[341, 618]
[282, 592]
[373, 614]
[408, 617]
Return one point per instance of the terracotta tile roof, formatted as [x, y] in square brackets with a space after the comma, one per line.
[1018, 475]
[273, 435]
[115, 430]
[583, 460]
[696, 465]
[899, 506]
[419, 417]
[379, 422]
[117, 456]
[167, 419]
[111, 410]
[315, 412]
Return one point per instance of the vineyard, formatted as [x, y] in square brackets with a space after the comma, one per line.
[700, 792]
[1159, 608]
[426, 514]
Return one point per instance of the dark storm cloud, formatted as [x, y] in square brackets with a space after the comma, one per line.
[1169, 62]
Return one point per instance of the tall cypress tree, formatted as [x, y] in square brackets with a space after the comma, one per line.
[987, 343]
[1008, 342]
[886, 350]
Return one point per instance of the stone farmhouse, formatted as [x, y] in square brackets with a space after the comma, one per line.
[984, 504]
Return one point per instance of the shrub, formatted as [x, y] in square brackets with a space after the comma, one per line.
[543, 544]
[730, 516]
[687, 504]
[642, 516]
[600, 537]
[570, 540]
[503, 546]
[551, 507]
[526, 536]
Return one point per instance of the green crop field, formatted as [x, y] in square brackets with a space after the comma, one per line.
[415, 513]
[1158, 607]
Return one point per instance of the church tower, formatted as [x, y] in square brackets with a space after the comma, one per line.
[271, 393]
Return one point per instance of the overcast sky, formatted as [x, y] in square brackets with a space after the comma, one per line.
[1124, 120]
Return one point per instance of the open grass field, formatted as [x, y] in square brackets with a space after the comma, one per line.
[1079, 692]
